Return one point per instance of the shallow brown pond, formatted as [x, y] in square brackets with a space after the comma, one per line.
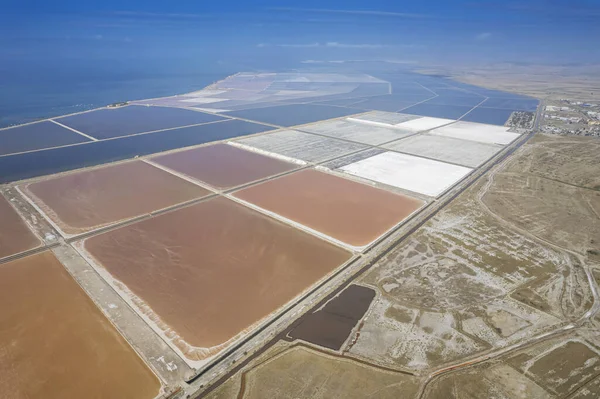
[212, 269]
[55, 342]
[348, 211]
[15, 236]
[82, 201]
[223, 166]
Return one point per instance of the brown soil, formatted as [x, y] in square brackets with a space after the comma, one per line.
[566, 367]
[485, 382]
[348, 211]
[560, 213]
[213, 269]
[531, 298]
[307, 373]
[399, 314]
[55, 343]
[223, 166]
[83, 201]
[15, 236]
[570, 160]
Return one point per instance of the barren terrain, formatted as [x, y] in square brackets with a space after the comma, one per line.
[541, 81]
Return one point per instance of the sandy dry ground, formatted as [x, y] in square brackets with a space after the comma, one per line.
[517, 197]
[223, 166]
[83, 201]
[55, 343]
[207, 272]
[496, 267]
[553, 191]
[540, 81]
[558, 368]
[301, 372]
[572, 161]
[348, 211]
[464, 283]
[15, 236]
[565, 367]
[499, 382]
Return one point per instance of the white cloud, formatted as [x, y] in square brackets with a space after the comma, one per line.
[158, 15]
[325, 45]
[328, 62]
[483, 36]
[355, 12]
[360, 45]
[356, 60]
[299, 45]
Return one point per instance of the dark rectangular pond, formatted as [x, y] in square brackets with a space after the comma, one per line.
[116, 122]
[36, 136]
[32, 164]
[330, 326]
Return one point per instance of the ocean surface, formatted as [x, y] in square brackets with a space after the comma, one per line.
[31, 94]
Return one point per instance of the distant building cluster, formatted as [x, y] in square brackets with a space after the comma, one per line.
[580, 103]
[572, 117]
[553, 108]
[521, 119]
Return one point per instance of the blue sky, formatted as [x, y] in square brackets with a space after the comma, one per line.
[270, 34]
